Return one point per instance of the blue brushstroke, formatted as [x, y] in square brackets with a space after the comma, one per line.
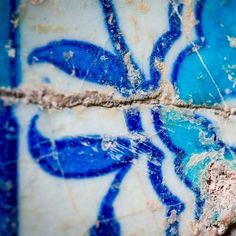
[116, 35]
[180, 155]
[107, 223]
[134, 121]
[9, 128]
[85, 61]
[94, 64]
[85, 157]
[200, 136]
[214, 25]
[166, 41]
[8, 172]
[4, 27]
[119, 44]
[78, 157]
[154, 163]
[172, 202]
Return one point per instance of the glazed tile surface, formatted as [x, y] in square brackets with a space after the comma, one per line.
[117, 117]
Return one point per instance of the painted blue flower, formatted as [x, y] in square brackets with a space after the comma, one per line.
[95, 155]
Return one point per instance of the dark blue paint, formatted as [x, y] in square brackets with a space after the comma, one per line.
[107, 223]
[199, 42]
[85, 157]
[163, 45]
[4, 37]
[179, 153]
[156, 157]
[115, 33]
[14, 37]
[87, 62]
[166, 41]
[233, 149]
[182, 150]
[9, 129]
[133, 120]
[172, 202]
[78, 157]
[8, 173]
[94, 64]
[118, 42]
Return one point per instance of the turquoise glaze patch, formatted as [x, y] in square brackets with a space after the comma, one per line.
[204, 72]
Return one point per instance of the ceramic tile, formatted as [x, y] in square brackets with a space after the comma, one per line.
[117, 117]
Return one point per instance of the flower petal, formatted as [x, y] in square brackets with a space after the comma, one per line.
[78, 157]
[84, 61]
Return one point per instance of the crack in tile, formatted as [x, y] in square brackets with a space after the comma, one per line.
[47, 98]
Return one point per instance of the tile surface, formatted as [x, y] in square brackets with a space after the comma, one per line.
[117, 117]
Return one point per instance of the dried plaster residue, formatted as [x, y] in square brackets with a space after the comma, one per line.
[218, 184]
[232, 41]
[47, 98]
[37, 2]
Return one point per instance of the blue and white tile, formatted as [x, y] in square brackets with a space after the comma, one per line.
[162, 167]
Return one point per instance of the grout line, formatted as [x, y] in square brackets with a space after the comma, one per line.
[49, 99]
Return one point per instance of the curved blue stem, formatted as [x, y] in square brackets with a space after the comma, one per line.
[189, 49]
[163, 45]
[113, 28]
[180, 154]
[119, 44]
[172, 202]
[166, 41]
[107, 224]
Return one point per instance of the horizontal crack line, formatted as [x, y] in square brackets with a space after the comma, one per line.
[49, 99]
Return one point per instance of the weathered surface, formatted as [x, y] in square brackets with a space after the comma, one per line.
[117, 117]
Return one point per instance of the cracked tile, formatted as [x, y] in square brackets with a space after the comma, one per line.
[117, 117]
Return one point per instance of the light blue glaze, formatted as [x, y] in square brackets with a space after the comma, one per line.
[193, 82]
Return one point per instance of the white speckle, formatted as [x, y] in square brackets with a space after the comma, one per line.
[37, 2]
[228, 91]
[232, 41]
[68, 55]
[12, 53]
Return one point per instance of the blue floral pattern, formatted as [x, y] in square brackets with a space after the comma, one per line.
[96, 155]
